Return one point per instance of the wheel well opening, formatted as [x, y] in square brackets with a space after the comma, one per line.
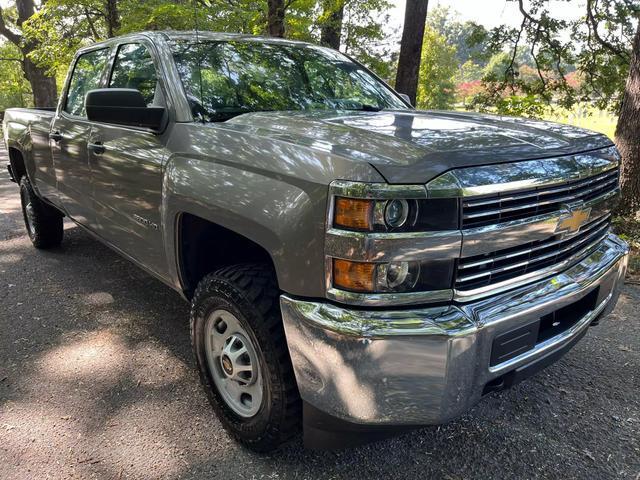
[17, 163]
[205, 246]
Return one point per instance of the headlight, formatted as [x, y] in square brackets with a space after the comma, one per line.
[397, 276]
[392, 277]
[390, 244]
[396, 215]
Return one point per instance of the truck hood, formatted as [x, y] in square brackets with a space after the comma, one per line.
[416, 146]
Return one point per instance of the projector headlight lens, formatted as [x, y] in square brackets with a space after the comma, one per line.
[396, 213]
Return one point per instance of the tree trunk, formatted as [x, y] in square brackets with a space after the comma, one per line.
[627, 134]
[415, 17]
[275, 18]
[112, 17]
[43, 86]
[331, 29]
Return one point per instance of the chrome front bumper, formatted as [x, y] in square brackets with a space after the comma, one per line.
[429, 365]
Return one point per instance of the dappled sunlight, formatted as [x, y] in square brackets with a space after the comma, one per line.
[98, 298]
[135, 445]
[109, 379]
[10, 258]
[321, 360]
[109, 358]
[9, 197]
[99, 355]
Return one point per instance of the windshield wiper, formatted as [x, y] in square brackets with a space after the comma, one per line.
[365, 108]
[224, 115]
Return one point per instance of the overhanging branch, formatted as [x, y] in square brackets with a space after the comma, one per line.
[8, 33]
[591, 19]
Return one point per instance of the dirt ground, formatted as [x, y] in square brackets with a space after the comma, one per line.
[97, 381]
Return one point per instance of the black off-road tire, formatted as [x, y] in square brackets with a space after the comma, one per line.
[44, 226]
[250, 293]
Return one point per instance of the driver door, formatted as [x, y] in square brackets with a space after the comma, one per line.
[68, 138]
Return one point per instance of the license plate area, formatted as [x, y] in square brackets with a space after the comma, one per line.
[563, 319]
[515, 342]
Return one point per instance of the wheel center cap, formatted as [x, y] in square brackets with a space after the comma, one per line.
[227, 365]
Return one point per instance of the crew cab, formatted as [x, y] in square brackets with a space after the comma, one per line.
[354, 266]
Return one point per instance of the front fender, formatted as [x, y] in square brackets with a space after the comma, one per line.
[287, 219]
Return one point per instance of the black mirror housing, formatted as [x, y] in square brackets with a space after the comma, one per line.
[122, 106]
[406, 98]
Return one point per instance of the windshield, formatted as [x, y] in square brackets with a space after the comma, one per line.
[239, 77]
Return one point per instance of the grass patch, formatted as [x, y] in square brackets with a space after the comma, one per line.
[586, 117]
[629, 231]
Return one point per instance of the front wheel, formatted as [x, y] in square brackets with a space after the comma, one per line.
[42, 221]
[242, 355]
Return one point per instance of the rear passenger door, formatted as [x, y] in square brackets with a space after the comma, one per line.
[69, 134]
[126, 164]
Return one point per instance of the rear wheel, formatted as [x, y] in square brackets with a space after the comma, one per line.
[242, 355]
[42, 221]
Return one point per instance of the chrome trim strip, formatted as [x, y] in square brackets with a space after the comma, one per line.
[537, 259]
[447, 321]
[565, 199]
[391, 247]
[377, 191]
[528, 193]
[464, 296]
[389, 299]
[492, 179]
[500, 236]
[593, 226]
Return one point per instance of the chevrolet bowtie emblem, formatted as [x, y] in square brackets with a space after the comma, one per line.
[572, 221]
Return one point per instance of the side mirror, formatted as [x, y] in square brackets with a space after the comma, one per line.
[122, 106]
[406, 98]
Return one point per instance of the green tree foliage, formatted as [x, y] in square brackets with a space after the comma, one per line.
[363, 35]
[14, 88]
[60, 27]
[464, 36]
[438, 67]
[554, 47]
[469, 71]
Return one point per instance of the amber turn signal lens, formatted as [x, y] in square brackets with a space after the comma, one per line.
[354, 276]
[353, 213]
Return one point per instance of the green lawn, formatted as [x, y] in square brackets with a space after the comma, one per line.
[586, 117]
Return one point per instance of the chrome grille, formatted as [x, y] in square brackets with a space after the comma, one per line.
[491, 268]
[508, 206]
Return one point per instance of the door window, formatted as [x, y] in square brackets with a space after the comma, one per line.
[134, 68]
[86, 76]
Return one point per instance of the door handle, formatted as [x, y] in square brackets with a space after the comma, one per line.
[56, 136]
[97, 147]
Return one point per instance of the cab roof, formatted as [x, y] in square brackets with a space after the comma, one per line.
[191, 36]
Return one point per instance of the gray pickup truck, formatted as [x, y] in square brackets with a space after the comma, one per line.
[354, 266]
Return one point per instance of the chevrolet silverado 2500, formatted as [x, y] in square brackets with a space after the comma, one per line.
[354, 266]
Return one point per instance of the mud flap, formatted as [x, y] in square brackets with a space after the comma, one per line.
[325, 432]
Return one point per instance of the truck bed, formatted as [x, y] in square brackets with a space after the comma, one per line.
[27, 129]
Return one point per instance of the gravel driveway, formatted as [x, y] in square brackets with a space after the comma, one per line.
[97, 381]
